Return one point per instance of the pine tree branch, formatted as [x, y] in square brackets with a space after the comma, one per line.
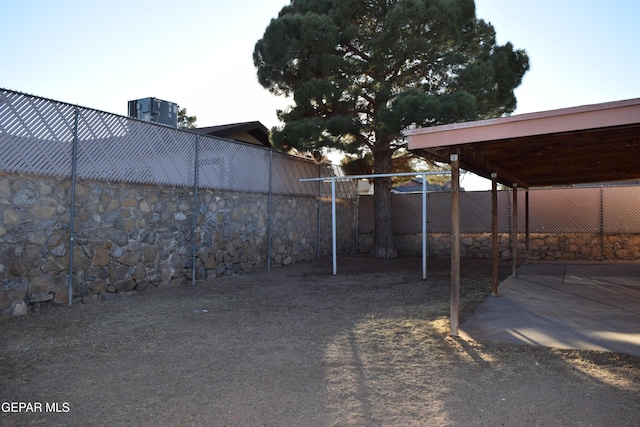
[357, 53]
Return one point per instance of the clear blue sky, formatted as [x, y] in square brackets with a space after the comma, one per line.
[198, 53]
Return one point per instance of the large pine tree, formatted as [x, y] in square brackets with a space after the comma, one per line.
[361, 71]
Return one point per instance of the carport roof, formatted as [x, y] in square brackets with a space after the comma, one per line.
[587, 144]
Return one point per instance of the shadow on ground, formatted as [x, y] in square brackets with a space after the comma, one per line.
[299, 346]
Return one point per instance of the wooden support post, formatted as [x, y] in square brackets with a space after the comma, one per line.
[455, 245]
[514, 232]
[526, 226]
[495, 256]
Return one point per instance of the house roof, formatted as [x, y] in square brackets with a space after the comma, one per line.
[235, 130]
[415, 186]
[587, 144]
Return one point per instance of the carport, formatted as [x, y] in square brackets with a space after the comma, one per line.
[588, 144]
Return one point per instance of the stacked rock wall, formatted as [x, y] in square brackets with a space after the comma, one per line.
[549, 247]
[129, 237]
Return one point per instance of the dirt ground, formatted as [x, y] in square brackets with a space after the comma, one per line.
[299, 347]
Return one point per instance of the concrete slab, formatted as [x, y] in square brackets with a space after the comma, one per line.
[579, 306]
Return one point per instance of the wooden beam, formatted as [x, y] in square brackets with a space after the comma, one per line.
[514, 232]
[433, 155]
[476, 163]
[455, 244]
[526, 226]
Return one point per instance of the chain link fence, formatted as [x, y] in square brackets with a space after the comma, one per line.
[38, 135]
[601, 209]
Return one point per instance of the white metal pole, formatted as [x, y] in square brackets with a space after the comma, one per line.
[333, 180]
[333, 224]
[270, 210]
[424, 227]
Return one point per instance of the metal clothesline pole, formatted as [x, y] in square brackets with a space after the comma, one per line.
[333, 180]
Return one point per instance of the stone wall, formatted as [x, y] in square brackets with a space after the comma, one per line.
[550, 247]
[130, 237]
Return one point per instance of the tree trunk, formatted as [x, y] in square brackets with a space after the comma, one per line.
[383, 244]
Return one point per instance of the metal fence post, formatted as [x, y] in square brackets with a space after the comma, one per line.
[196, 170]
[270, 209]
[357, 223]
[424, 227]
[319, 228]
[74, 164]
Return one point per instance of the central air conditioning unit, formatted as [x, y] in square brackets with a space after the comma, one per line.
[154, 110]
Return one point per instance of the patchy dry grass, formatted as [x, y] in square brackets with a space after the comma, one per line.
[298, 346]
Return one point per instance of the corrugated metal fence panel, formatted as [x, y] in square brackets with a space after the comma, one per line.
[365, 214]
[407, 213]
[505, 201]
[564, 210]
[621, 210]
[115, 148]
[36, 135]
[475, 212]
[287, 172]
[561, 210]
[439, 212]
[551, 211]
[345, 189]
[228, 165]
